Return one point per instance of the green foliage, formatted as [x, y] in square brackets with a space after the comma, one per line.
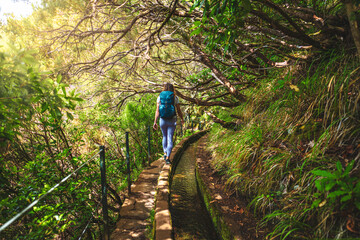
[229, 17]
[36, 153]
[286, 225]
[290, 129]
[337, 187]
[202, 75]
[24, 92]
[139, 113]
[293, 122]
[16, 85]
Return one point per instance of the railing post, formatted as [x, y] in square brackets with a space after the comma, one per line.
[104, 192]
[128, 161]
[149, 135]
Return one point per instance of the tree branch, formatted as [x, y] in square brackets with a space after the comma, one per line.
[297, 35]
[224, 124]
[206, 103]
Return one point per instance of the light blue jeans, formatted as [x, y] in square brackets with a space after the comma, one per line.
[167, 127]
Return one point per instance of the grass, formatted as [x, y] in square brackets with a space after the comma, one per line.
[293, 124]
[150, 230]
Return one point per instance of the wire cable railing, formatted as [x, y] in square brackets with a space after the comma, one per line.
[103, 201]
[31, 205]
[88, 223]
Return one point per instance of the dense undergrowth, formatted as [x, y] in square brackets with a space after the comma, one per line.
[295, 154]
[293, 149]
[46, 133]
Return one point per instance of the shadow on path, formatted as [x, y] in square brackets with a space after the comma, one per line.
[135, 211]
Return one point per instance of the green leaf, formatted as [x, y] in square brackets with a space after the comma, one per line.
[197, 23]
[345, 198]
[330, 185]
[226, 48]
[196, 31]
[58, 112]
[289, 232]
[323, 173]
[339, 166]
[349, 167]
[70, 116]
[64, 91]
[319, 185]
[59, 78]
[316, 203]
[336, 194]
[44, 107]
[72, 93]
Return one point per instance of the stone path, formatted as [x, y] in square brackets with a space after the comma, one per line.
[135, 211]
[152, 185]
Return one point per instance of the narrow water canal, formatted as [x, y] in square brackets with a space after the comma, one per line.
[189, 216]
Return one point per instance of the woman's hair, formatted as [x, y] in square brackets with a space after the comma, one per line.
[168, 87]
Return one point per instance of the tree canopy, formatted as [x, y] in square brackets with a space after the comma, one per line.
[212, 50]
[278, 79]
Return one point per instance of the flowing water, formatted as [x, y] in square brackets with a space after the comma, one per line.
[189, 216]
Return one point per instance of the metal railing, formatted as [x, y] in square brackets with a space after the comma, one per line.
[31, 205]
[101, 154]
[191, 124]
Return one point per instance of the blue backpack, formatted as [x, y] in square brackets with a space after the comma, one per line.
[167, 108]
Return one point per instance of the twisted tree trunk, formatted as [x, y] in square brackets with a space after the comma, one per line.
[350, 11]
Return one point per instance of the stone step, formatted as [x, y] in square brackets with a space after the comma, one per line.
[135, 211]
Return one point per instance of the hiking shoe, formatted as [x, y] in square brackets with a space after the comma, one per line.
[167, 161]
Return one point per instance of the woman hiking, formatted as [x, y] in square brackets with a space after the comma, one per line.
[166, 108]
